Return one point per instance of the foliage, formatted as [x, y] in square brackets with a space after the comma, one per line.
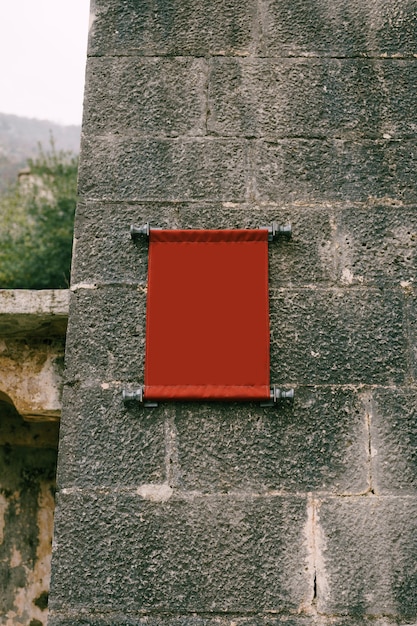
[20, 138]
[36, 223]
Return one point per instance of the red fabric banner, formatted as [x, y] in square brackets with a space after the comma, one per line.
[207, 326]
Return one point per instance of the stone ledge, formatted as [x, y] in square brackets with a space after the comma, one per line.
[25, 312]
[30, 367]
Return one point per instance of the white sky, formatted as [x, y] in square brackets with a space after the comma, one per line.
[43, 47]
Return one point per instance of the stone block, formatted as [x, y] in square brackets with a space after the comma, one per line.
[33, 313]
[214, 169]
[118, 619]
[368, 557]
[309, 97]
[301, 170]
[318, 443]
[105, 253]
[105, 443]
[410, 294]
[299, 260]
[394, 440]
[375, 245]
[164, 169]
[197, 554]
[335, 28]
[181, 27]
[106, 334]
[337, 336]
[150, 96]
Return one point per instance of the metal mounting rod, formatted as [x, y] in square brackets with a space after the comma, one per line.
[277, 394]
[275, 230]
[134, 395]
[281, 394]
[278, 231]
[137, 231]
[137, 395]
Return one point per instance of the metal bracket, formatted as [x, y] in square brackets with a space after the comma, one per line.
[278, 394]
[136, 395]
[275, 230]
[137, 231]
[278, 231]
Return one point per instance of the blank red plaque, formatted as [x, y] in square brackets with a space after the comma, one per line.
[207, 326]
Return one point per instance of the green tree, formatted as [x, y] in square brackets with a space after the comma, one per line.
[36, 223]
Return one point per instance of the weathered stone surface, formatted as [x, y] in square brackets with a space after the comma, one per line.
[31, 376]
[301, 170]
[411, 316]
[32, 331]
[14, 431]
[337, 336]
[393, 416]
[27, 479]
[118, 619]
[363, 620]
[200, 554]
[374, 245]
[368, 558]
[164, 169]
[234, 29]
[148, 96]
[317, 443]
[334, 28]
[182, 27]
[371, 246]
[105, 253]
[217, 169]
[236, 515]
[32, 337]
[95, 425]
[312, 98]
[106, 334]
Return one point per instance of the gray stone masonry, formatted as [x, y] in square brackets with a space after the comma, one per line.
[234, 114]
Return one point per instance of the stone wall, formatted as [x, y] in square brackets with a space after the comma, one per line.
[237, 113]
[28, 454]
[32, 339]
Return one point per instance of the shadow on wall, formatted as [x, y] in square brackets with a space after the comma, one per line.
[28, 453]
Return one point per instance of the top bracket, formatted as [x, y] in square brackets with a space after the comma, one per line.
[274, 231]
[137, 231]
